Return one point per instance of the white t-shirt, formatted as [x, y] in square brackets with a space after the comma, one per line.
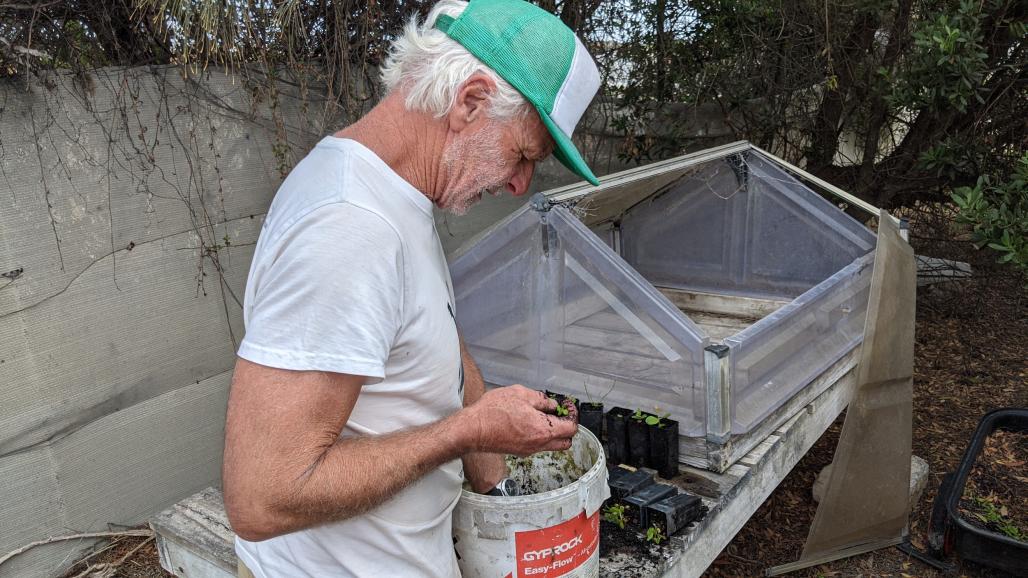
[349, 276]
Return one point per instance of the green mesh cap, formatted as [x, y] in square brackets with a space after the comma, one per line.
[539, 56]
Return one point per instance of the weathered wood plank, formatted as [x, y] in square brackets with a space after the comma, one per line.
[732, 305]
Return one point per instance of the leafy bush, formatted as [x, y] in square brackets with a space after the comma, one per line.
[997, 211]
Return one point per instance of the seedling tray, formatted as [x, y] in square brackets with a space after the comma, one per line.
[590, 416]
[624, 483]
[951, 533]
[663, 452]
[639, 441]
[617, 435]
[635, 504]
[674, 513]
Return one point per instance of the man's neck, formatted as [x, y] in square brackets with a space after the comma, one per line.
[410, 142]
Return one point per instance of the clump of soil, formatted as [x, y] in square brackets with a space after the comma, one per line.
[996, 494]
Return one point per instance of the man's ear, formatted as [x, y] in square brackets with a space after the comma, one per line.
[472, 101]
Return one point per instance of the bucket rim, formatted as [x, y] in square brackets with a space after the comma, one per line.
[532, 500]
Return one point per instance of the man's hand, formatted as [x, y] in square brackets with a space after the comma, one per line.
[517, 420]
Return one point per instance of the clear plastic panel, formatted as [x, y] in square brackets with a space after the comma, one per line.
[623, 340]
[549, 305]
[492, 286]
[739, 225]
[776, 357]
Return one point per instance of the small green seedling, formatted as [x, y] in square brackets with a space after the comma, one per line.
[656, 420]
[615, 514]
[562, 411]
[655, 534]
[638, 415]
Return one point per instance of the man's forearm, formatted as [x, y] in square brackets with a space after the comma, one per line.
[285, 467]
[353, 475]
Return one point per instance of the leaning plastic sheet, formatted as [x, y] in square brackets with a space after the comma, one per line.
[867, 500]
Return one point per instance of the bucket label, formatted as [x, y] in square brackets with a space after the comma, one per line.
[559, 549]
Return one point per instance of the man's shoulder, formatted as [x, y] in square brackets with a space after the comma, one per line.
[330, 190]
[343, 171]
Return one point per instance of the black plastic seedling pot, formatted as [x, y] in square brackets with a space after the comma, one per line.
[617, 435]
[624, 483]
[635, 505]
[663, 455]
[950, 532]
[590, 416]
[638, 441]
[674, 513]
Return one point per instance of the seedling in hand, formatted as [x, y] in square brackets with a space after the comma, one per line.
[567, 410]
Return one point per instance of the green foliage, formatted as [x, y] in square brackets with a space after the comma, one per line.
[562, 411]
[615, 514]
[655, 535]
[932, 92]
[948, 61]
[997, 211]
[996, 517]
[639, 415]
[656, 420]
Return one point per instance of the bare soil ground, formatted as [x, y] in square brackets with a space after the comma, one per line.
[971, 357]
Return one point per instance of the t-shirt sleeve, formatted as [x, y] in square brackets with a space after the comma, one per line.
[328, 294]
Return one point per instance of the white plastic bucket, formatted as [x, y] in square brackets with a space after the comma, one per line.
[555, 532]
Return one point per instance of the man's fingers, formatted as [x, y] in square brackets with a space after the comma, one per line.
[558, 445]
[564, 428]
[542, 403]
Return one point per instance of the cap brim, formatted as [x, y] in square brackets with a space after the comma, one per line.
[566, 152]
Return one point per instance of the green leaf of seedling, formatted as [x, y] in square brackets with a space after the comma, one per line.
[652, 420]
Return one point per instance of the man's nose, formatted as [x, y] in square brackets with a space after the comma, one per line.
[522, 177]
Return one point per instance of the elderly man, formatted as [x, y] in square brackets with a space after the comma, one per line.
[355, 412]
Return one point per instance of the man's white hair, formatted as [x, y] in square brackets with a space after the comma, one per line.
[429, 67]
